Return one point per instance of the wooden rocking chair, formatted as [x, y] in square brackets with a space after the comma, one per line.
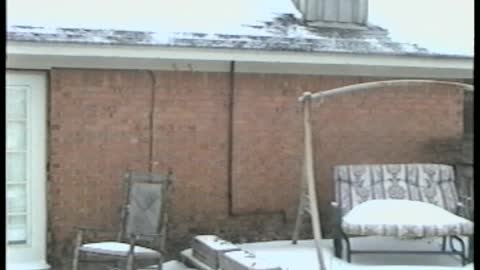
[144, 220]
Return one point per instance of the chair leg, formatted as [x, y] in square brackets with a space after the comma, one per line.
[349, 250]
[129, 264]
[337, 241]
[462, 250]
[444, 243]
[118, 264]
[75, 259]
[160, 262]
[296, 229]
[131, 254]
[470, 249]
[76, 250]
[337, 246]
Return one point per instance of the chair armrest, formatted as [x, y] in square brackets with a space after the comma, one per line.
[141, 236]
[134, 237]
[465, 199]
[90, 229]
[81, 231]
[97, 231]
[459, 207]
[155, 238]
[336, 209]
[337, 217]
[154, 235]
[462, 210]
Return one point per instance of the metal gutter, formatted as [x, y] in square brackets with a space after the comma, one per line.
[46, 56]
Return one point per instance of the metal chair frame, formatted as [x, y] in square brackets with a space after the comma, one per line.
[340, 234]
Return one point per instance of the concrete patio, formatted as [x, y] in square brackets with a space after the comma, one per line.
[303, 255]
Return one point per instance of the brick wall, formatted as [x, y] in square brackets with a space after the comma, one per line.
[104, 122]
[99, 126]
[190, 137]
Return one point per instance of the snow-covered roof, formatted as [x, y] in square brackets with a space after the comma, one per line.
[238, 24]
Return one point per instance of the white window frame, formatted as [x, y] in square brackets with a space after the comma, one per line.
[32, 255]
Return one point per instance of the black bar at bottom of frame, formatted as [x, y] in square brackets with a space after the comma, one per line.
[402, 252]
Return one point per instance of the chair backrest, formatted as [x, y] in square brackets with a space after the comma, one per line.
[431, 183]
[145, 204]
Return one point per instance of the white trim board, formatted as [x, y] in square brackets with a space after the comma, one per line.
[32, 255]
[29, 55]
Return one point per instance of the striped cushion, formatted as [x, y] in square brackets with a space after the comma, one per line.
[432, 183]
[403, 218]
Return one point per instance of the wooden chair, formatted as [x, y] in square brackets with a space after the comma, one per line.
[144, 221]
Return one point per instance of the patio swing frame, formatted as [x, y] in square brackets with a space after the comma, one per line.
[308, 198]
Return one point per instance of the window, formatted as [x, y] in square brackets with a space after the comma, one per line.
[17, 180]
[25, 170]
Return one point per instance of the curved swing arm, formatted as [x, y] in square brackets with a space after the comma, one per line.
[319, 96]
[308, 197]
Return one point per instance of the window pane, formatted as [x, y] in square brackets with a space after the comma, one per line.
[16, 102]
[17, 229]
[16, 167]
[17, 198]
[16, 138]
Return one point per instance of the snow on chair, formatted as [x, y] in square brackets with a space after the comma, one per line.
[398, 200]
[144, 220]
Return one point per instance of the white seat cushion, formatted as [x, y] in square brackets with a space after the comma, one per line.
[403, 218]
[118, 249]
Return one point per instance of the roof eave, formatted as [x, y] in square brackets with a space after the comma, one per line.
[37, 55]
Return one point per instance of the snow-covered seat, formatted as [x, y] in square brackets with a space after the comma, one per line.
[400, 200]
[143, 222]
[119, 249]
[403, 219]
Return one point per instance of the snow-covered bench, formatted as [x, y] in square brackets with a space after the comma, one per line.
[399, 200]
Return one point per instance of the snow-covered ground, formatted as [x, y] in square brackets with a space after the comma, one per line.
[303, 255]
[173, 265]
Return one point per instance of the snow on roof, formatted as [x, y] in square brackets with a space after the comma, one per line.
[239, 24]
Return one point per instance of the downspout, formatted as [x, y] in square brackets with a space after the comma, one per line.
[231, 98]
[230, 141]
[151, 120]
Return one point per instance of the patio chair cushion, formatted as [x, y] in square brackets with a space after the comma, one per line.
[118, 249]
[430, 183]
[403, 218]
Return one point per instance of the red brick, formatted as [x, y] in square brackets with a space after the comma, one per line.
[100, 126]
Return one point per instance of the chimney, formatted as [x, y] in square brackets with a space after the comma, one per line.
[338, 13]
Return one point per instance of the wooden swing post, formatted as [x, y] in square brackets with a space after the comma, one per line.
[308, 199]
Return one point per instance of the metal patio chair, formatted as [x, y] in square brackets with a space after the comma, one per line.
[402, 201]
[144, 221]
